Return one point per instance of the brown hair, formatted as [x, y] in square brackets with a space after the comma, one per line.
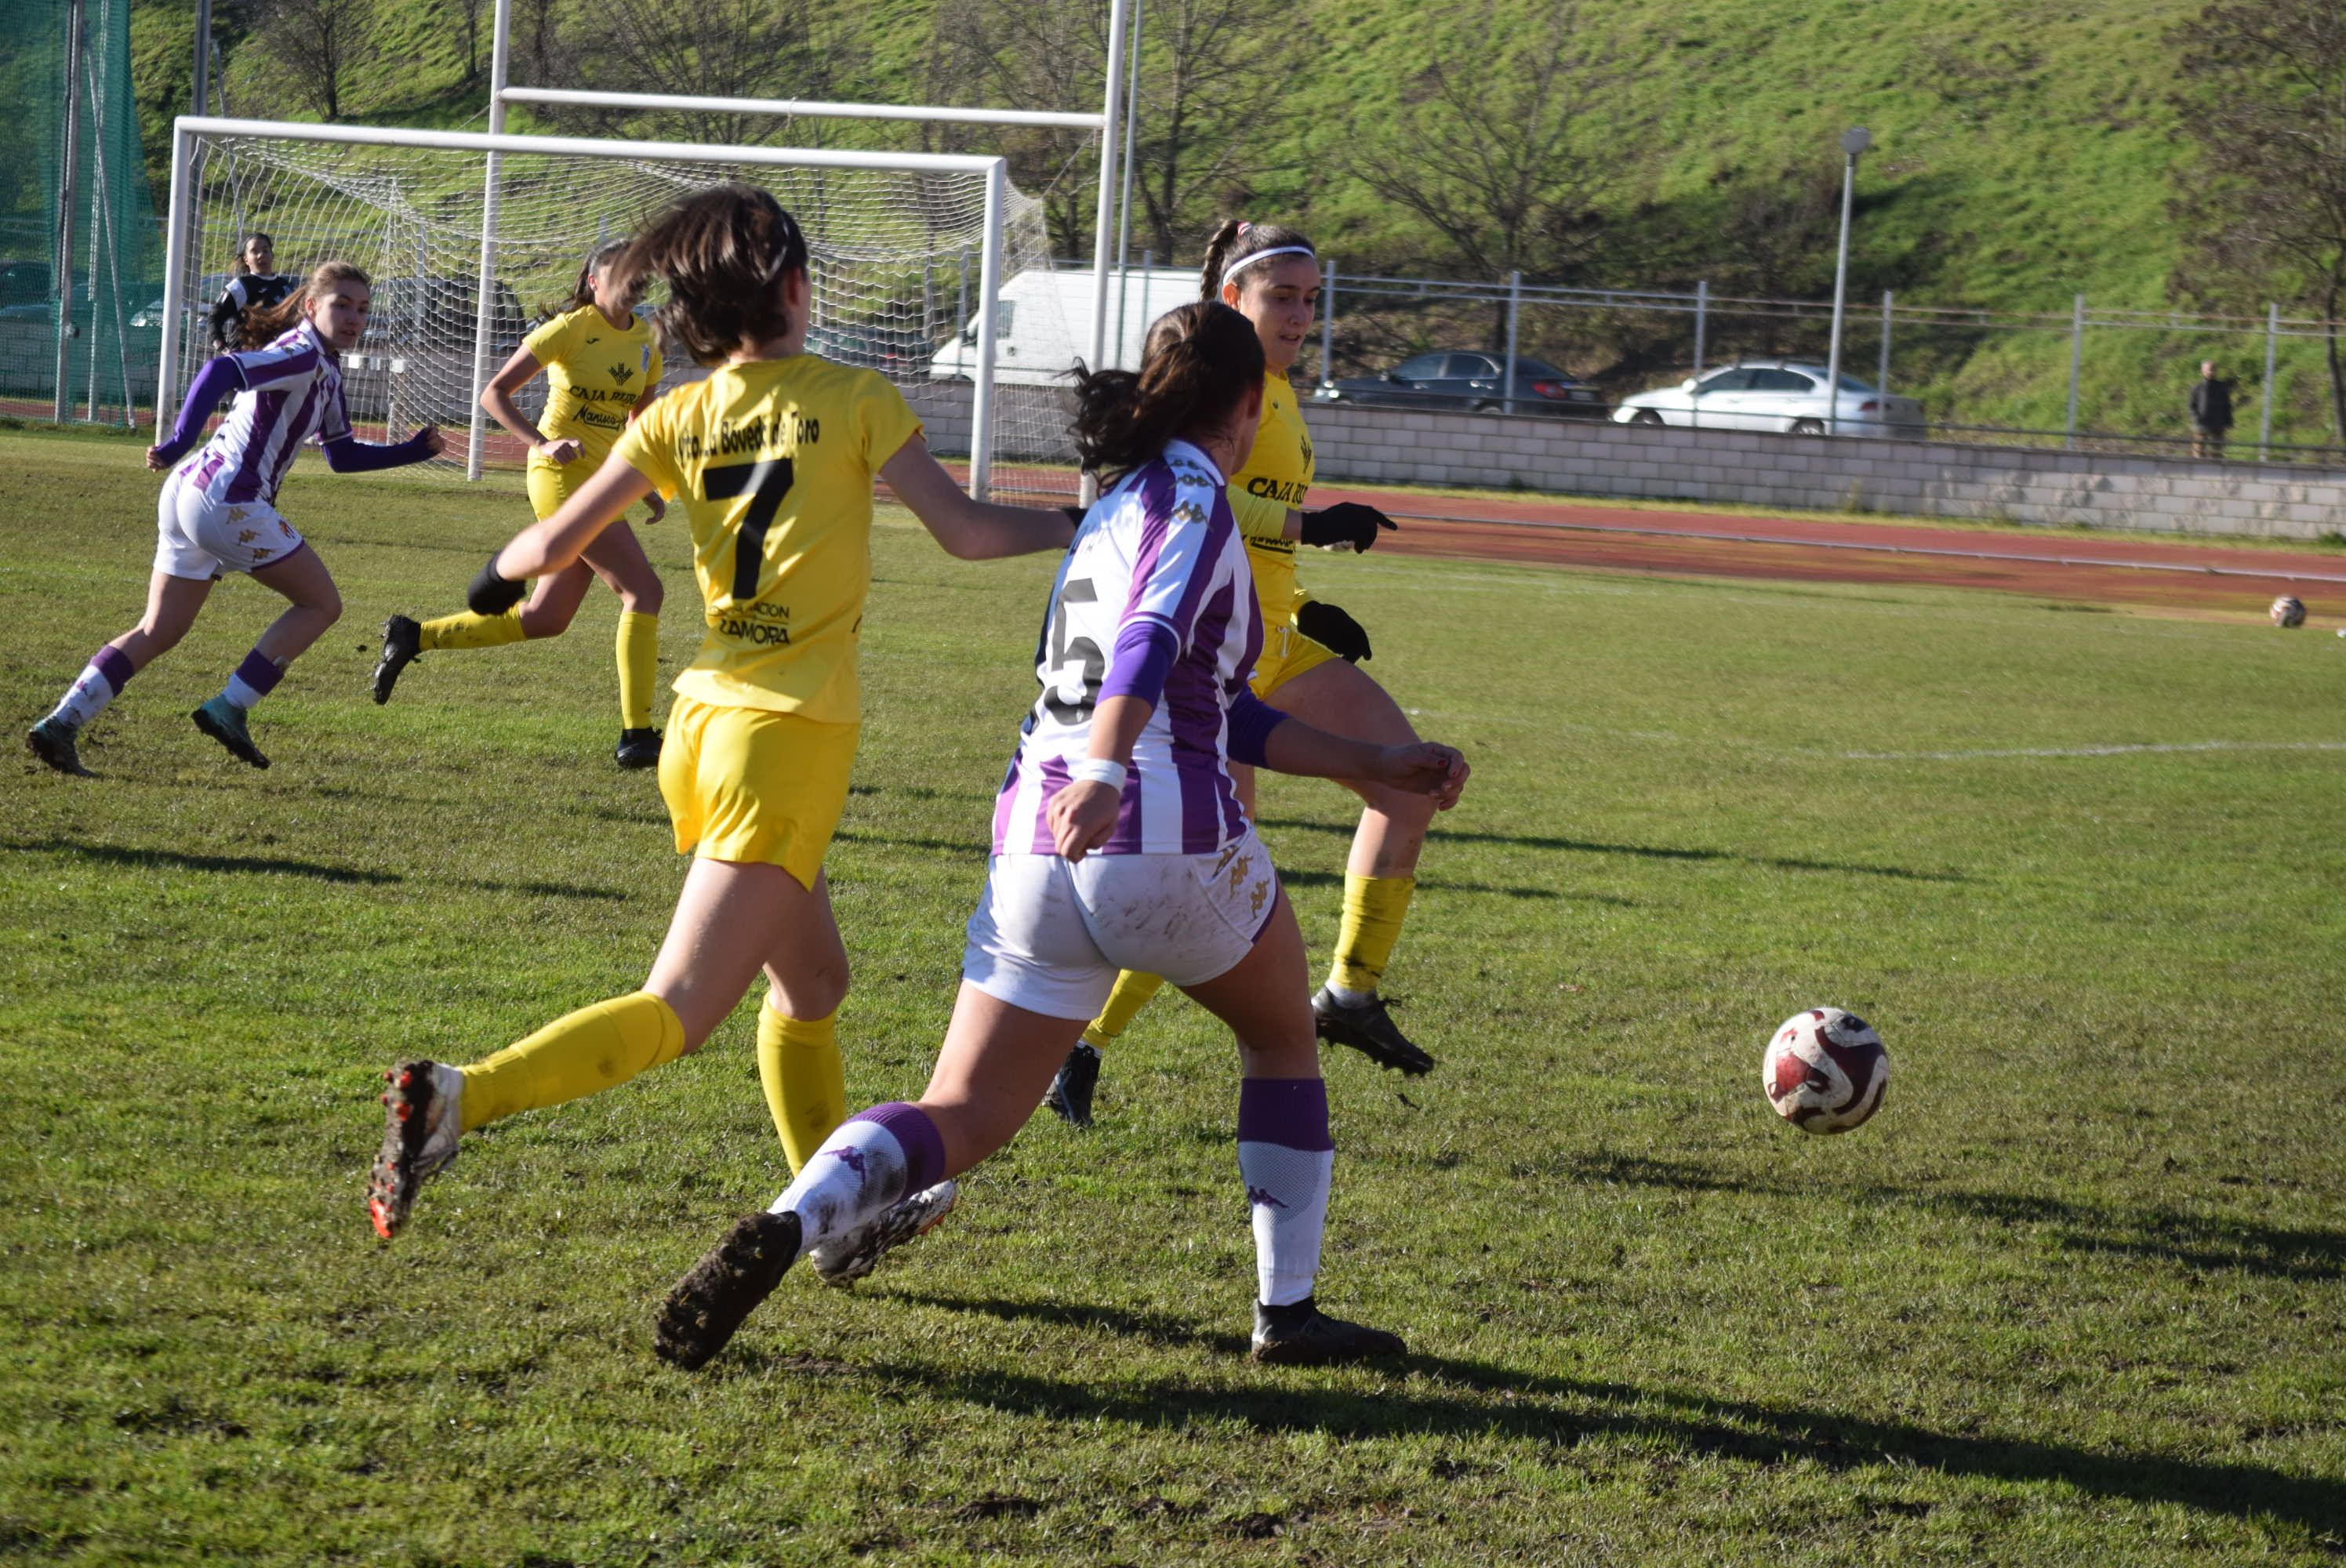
[259, 327]
[1235, 241]
[1198, 365]
[723, 252]
[582, 292]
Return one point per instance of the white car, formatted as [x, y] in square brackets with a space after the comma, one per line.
[1787, 395]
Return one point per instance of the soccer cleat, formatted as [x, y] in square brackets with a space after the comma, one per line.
[403, 641]
[421, 1123]
[637, 748]
[52, 740]
[1368, 1029]
[224, 722]
[710, 1302]
[1070, 1093]
[1301, 1335]
[844, 1259]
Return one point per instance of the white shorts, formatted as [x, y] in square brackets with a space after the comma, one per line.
[201, 538]
[1049, 936]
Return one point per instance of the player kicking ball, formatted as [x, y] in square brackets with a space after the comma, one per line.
[1120, 841]
[218, 511]
[771, 460]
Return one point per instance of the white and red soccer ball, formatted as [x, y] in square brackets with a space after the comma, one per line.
[1825, 1069]
[2287, 611]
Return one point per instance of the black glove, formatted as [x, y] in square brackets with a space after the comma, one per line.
[1346, 522]
[491, 595]
[1332, 628]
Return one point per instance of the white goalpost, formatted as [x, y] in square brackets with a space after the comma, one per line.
[884, 228]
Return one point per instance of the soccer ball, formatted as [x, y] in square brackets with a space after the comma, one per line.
[2287, 611]
[1825, 1069]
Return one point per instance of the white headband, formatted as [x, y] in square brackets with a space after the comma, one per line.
[1231, 271]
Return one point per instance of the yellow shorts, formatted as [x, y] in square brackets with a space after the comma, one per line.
[549, 487]
[746, 784]
[1286, 654]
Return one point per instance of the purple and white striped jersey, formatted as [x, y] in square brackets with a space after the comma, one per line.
[1159, 552]
[292, 390]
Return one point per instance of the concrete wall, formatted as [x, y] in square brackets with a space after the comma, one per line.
[1752, 468]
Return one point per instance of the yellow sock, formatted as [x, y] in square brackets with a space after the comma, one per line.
[467, 630]
[798, 1064]
[638, 673]
[587, 1052]
[1133, 990]
[1373, 907]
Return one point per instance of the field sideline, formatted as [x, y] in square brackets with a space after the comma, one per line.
[2075, 1293]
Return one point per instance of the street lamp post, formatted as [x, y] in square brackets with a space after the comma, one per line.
[1852, 142]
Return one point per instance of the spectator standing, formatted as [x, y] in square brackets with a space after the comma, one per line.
[2211, 411]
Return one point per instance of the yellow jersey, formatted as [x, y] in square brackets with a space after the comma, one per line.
[596, 373]
[774, 462]
[1272, 482]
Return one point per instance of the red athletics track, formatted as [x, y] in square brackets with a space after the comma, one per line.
[2193, 578]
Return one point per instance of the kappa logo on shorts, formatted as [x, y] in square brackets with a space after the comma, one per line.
[246, 536]
[1260, 896]
[284, 527]
[238, 513]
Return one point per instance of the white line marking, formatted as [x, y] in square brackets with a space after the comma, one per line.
[2089, 750]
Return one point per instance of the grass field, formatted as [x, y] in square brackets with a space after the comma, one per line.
[2076, 1295]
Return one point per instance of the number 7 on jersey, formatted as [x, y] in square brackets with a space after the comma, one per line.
[765, 484]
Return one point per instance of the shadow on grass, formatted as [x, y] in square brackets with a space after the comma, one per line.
[2197, 1241]
[1471, 1398]
[1643, 852]
[271, 866]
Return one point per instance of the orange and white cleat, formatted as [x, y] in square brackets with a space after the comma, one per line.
[418, 1138]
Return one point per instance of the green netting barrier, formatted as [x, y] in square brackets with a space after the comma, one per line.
[97, 311]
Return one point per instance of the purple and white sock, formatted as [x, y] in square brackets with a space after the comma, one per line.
[100, 683]
[1286, 1158]
[874, 1158]
[255, 678]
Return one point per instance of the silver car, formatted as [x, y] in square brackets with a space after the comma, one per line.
[1785, 395]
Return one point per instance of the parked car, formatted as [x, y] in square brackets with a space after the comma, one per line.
[897, 352]
[1457, 378]
[148, 317]
[1786, 395]
[436, 312]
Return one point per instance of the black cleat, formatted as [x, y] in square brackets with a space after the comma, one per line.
[1302, 1336]
[710, 1302]
[1368, 1029]
[637, 748]
[52, 740]
[224, 722]
[403, 643]
[1070, 1093]
[421, 1122]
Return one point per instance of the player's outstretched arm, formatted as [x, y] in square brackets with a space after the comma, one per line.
[348, 454]
[969, 530]
[1288, 745]
[548, 546]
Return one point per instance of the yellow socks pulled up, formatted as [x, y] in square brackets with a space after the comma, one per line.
[1133, 990]
[467, 630]
[640, 673]
[798, 1066]
[1373, 908]
[574, 1056]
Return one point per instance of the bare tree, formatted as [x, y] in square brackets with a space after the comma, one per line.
[535, 29]
[1213, 73]
[2263, 207]
[468, 19]
[1506, 159]
[312, 48]
[1029, 55]
[713, 48]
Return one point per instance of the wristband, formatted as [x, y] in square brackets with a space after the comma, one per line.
[1098, 771]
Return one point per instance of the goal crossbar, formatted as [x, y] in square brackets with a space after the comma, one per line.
[805, 108]
[187, 128]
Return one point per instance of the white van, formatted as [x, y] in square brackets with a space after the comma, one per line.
[1043, 323]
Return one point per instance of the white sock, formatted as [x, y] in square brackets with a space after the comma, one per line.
[862, 1169]
[1286, 1159]
[86, 698]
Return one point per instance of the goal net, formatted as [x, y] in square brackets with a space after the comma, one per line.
[902, 280]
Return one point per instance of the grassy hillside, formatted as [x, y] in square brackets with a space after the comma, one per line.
[2025, 154]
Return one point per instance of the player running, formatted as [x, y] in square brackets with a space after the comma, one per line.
[1119, 838]
[218, 511]
[1271, 275]
[258, 286]
[774, 456]
[601, 363]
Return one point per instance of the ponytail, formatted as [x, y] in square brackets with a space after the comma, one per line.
[1234, 241]
[1200, 364]
[261, 327]
[724, 252]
